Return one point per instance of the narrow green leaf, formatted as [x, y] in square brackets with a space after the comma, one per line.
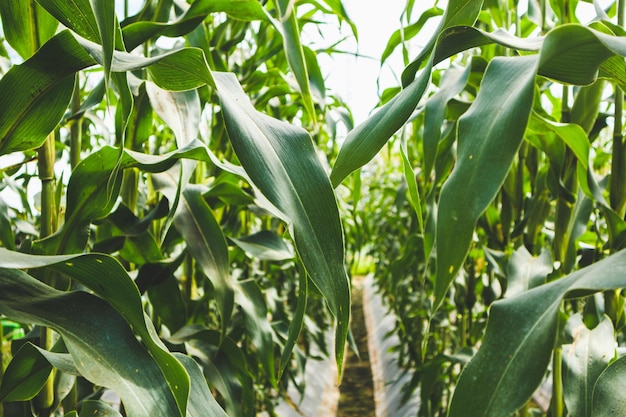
[104, 12]
[583, 361]
[25, 376]
[111, 357]
[512, 360]
[411, 180]
[295, 53]
[252, 302]
[297, 322]
[608, 398]
[206, 243]
[364, 141]
[487, 146]
[7, 238]
[26, 25]
[281, 161]
[406, 33]
[265, 245]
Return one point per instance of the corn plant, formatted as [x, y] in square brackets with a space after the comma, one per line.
[498, 233]
[184, 249]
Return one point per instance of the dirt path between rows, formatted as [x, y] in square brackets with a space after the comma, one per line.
[357, 390]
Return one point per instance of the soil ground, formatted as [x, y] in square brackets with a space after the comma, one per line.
[357, 390]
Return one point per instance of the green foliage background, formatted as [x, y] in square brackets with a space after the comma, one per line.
[198, 211]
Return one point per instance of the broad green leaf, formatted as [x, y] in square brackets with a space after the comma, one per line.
[104, 11]
[76, 15]
[608, 397]
[458, 13]
[512, 359]
[587, 104]
[98, 409]
[108, 279]
[265, 245]
[281, 161]
[201, 401]
[525, 271]
[40, 90]
[111, 356]
[42, 86]
[583, 361]
[206, 243]
[293, 49]
[26, 25]
[25, 376]
[487, 146]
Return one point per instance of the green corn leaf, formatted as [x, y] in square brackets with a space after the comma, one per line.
[295, 54]
[138, 32]
[458, 13]
[252, 302]
[583, 361]
[201, 401]
[206, 243]
[76, 15]
[512, 360]
[487, 146]
[98, 409]
[265, 245]
[608, 398]
[88, 197]
[525, 271]
[7, 238]
[108, 279]
[111, 356]
[25, 376]
[281, 161]
[26, 25]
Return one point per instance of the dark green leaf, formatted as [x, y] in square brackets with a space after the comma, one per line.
[281, 161]
[487, 146]
[26, 25]
[25, 376]
[265, 245]
[76, 15]
[518, 342]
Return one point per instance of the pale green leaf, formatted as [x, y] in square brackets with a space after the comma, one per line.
[608, 395]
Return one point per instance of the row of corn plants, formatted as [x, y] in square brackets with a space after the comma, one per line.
[497, 233]
[170, 239]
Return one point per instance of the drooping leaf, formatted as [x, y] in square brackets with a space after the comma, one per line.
[25, 376]
[281, 161]
[512, 360]
[583, 361]
[111, 357]
[201, 401]
[108, 279]
[265, 245]
[487, 146]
